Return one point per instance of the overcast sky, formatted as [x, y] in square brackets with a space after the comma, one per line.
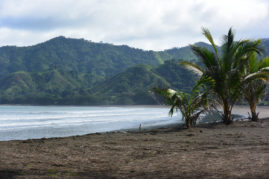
[146, 24]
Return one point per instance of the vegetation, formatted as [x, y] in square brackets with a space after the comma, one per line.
[254, 89]
[59, 87]
[182, 53]
[80, 72]
[225, 67]
[133, 85]
[191, 105]
[94, 61]
[72, 71]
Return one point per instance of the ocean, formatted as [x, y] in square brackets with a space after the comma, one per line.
[35, 122]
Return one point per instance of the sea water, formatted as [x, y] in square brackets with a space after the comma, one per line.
[33, 122]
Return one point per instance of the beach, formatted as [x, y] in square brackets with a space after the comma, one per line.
[239, 150]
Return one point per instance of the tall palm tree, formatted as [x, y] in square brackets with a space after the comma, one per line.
[224, 66]
[254, 89]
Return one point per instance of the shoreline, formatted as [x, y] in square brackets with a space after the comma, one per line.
[238, 110]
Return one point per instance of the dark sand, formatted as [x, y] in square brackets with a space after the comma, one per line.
[240, 150]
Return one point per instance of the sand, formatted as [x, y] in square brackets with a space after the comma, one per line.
[262, 110]
[239, 150]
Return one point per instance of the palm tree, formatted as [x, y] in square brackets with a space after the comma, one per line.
[254, 89]
[190, 105]
[224, 66]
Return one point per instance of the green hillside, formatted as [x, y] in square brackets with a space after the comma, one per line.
[76, 71]
[129, 87]
[96, 61]
[134, 85]
[177, 76]
[182, 53]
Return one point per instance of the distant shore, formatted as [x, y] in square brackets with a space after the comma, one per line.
[239, 150]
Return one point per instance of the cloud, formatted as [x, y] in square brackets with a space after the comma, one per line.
[151, 24]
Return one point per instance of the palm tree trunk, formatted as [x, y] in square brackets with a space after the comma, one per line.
[252, 104]
[227, 112]
[254, 115]
[188, 123]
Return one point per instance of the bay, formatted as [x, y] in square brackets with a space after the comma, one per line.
[34, 122]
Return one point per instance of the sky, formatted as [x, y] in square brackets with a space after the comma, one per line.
[145, 24]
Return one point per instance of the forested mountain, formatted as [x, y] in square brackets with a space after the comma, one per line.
[133, 86]
[94, 61]
[76, 71]
[182, 53]
[129, 87]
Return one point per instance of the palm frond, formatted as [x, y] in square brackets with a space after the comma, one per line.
[264, 63]
[261, 74]
[208, 35]
[192, 67]
[253, 63]
[205, 82]
[207, 57]
[246, 47]
[229, 38]
[166, 93]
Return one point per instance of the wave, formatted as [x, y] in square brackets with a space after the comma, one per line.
[20, 122]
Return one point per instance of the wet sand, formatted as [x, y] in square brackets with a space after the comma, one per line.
[239, 150]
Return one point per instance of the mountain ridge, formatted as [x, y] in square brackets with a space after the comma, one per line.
[76, 71]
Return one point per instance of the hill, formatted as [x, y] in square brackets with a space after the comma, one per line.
[129, 87]
[75, 71]
[94, 61]
[182, 53]
[65, 68]
[133, 86]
